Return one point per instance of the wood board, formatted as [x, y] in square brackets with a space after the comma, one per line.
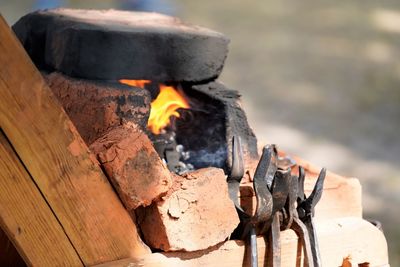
[25, 216]
[54, 154]
[338, 238]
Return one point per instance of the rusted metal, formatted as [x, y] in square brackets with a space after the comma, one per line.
[281, 204]
[263, 195]
[280, 191]
[300, 218]
[306, 210]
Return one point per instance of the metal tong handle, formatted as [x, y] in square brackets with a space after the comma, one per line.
[234, 179]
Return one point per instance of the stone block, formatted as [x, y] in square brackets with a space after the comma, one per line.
[113, 45]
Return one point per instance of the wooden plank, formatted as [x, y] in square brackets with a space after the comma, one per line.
[338, 238]
[55, 155]
[27, 219]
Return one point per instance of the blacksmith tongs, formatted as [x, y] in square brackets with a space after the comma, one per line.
[305, 210]
[263, 195]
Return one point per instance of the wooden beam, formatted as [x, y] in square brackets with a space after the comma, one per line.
[60, 163]
[338, 239]
[27, 219]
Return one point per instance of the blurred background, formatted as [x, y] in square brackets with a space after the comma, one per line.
[319, 78]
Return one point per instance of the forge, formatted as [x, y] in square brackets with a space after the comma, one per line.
[142, 91]
[99, 62]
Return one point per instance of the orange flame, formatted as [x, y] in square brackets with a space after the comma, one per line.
[136, 83]
[164, 106]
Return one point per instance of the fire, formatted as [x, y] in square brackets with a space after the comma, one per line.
[166, 105]
[136, 83]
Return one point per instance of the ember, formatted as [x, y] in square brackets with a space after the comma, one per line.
[136, 83]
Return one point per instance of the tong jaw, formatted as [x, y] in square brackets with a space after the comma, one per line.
[306, 206]
[237, 170]
[306, 210]
[262, 176]
[236, 175]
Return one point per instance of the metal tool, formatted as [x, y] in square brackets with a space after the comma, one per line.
[264, 198]
[277, 181]
[300, 218]
[277, 193]
[306, 210]
[290, 217]
[236, 175]
[263, 195]
[234, 179]
[280, 191]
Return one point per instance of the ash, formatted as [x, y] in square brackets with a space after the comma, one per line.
[173, 154]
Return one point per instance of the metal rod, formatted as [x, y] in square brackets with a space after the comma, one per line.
[253, 247]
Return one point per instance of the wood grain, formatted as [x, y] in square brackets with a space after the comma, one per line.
[68, 176]
[338, 238]
[26, 217]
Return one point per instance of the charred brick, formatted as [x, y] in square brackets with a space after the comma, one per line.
[206, 130]
[133, 166]
[95, 107]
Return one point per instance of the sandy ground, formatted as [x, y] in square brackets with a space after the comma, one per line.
[319, 78]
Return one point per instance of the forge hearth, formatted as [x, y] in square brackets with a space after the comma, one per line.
[110, 70]
[205, 130]
[93, 50]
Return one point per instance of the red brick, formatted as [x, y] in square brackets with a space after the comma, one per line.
[196, 214]
[133, 166]
[95, 107]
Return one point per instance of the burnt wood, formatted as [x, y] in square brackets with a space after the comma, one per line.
[112, 44]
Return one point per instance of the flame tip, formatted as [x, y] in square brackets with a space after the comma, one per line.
[166, 104]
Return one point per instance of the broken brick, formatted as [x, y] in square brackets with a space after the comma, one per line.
[196, 214]
[95, 107]
[133, 166]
